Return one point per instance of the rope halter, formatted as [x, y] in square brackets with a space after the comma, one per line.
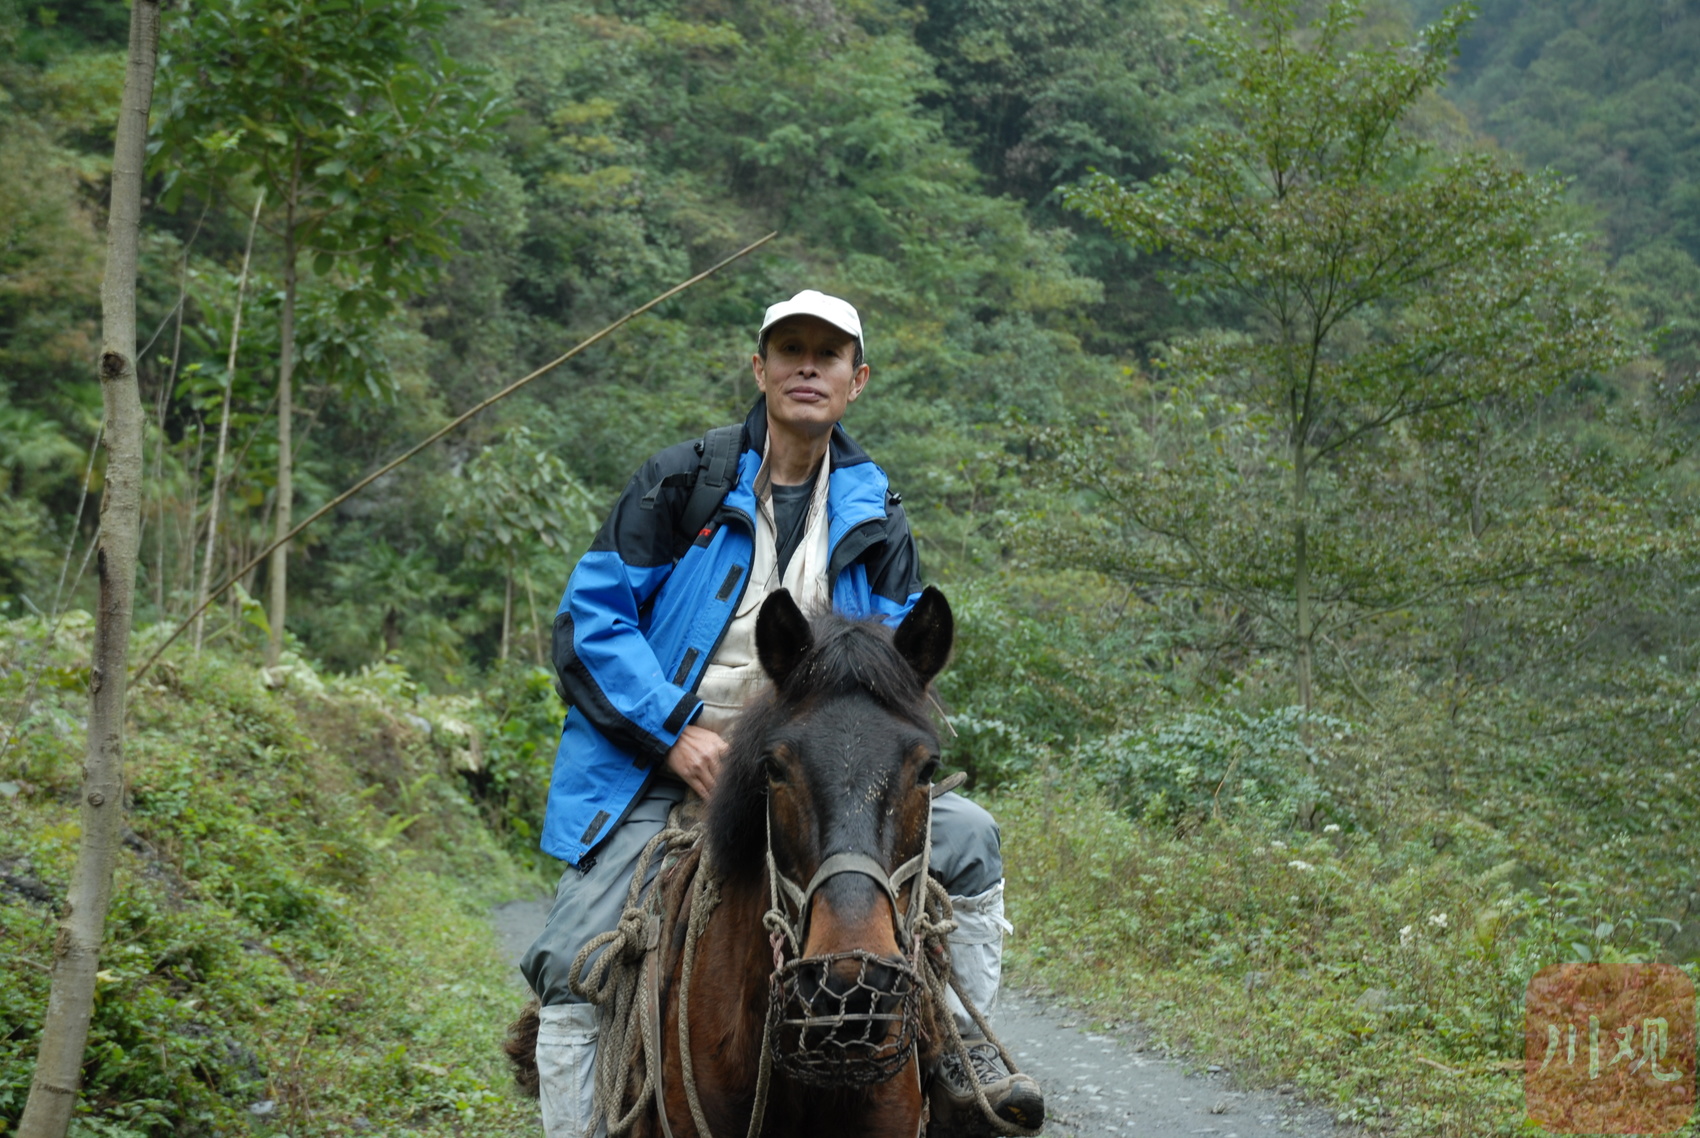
[844, 1019]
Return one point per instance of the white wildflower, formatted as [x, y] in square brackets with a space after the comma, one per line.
[1278, 845]
[1331, 828]
[1301, 866]
[1438, 920]
[1407, 935]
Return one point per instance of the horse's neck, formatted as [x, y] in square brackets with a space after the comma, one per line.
[730, 985]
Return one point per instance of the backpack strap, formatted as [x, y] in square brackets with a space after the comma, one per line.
[716, 469]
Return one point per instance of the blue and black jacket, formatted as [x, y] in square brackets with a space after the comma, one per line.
[646, 608]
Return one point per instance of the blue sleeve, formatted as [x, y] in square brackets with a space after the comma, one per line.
[607, 668]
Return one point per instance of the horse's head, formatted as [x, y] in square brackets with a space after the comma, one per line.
[828, 784]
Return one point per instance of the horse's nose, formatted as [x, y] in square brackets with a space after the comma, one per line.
[851, 911]
[846, 1021]
[866, 985]
[862, 974]
[854, 898]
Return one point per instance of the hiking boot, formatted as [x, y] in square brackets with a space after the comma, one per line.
[1013, 1097]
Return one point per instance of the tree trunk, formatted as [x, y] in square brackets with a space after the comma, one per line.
[224, 425]
[277, 569]
[76, 950]
[161, 403]
[507, 608]
[1304, 620]
[536, 627]
[191, 531]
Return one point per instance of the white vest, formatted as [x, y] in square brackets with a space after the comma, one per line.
[734, 674]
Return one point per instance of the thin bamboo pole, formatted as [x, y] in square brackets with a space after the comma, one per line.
[439, 433]
[224, 423]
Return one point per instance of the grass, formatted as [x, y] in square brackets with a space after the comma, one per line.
[299, 942]
[1384, 981]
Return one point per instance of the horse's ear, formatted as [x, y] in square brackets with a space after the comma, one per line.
[925, 636]
[782, 635]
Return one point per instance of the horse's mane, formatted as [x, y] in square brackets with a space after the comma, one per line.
[847, 657]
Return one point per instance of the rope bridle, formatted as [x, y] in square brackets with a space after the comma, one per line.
[780, 924]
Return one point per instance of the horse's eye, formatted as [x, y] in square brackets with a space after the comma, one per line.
[927, 771]
[774, 769]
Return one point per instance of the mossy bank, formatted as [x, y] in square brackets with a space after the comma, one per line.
[298, 942]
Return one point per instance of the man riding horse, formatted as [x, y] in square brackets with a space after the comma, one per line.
[655, 647]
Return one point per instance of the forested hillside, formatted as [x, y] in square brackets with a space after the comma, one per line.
[1606, 94]
[1310, 469]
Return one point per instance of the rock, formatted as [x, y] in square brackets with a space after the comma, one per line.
[25, 885]
[1374, 1000]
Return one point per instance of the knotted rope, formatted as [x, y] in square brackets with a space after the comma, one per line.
[615, 985]
[932, 933]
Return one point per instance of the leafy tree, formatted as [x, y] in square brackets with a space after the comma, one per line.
[1604, 91]
[55, 147]
[1042, 93]
[360, 129]
[1388, 285]
[512, 497]
[379, 596]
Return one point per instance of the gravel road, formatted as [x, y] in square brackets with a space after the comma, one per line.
[1097, 1085]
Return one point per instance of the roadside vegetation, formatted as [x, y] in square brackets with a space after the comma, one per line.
[1377, 964]
[299, 941]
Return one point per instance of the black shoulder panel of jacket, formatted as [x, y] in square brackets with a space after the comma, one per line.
[643, 525]
[894, 564]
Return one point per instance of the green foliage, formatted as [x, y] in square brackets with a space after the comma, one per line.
[1380, 978]
[1043, 664]
[1041, 94]
[513, 494]
[1384, 288]
[1499, 527]
[1204, 765]
[1601, 93]
[298, 939]
[517, 721]
[52, 98]
[357, 123]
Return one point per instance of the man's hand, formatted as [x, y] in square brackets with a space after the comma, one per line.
[696, 759]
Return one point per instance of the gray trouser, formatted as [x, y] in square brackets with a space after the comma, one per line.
[965, 857]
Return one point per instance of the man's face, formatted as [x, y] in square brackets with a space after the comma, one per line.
[809, 376]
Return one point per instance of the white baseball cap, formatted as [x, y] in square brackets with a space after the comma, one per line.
[841, 314]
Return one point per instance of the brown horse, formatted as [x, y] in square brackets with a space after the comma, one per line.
[795, 943]
[817, 834]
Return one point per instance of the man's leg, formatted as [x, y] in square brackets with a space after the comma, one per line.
[968, 858]
[586, 905]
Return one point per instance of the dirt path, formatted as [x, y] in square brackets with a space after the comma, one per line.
[1096, 1085]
